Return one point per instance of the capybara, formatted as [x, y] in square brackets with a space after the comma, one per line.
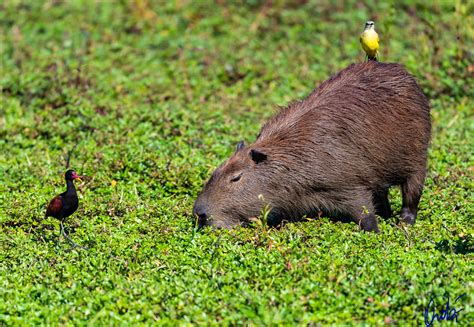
[338, 151]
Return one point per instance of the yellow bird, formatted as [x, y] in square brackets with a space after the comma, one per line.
[370, 40]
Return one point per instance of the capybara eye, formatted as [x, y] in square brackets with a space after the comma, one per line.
[236, 178]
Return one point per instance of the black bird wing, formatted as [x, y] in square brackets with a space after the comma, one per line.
[55, 207]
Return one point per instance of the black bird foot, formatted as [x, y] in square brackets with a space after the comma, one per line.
[74, 244]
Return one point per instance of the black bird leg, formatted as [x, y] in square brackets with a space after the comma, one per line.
[63, 232]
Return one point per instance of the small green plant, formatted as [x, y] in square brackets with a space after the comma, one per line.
[262, 219]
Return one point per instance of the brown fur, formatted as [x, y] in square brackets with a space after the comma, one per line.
[338, 151]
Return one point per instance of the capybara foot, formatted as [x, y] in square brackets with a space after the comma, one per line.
[369, 224]
[408, 216]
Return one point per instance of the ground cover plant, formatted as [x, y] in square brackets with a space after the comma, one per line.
[149, 97]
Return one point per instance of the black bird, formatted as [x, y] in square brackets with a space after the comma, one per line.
[65, 204]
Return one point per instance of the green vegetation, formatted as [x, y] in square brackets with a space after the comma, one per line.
[155, 96]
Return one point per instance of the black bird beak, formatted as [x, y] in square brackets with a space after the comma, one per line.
[79, 177]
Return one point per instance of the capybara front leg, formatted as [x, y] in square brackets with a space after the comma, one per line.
[381, 203]
[363, 212]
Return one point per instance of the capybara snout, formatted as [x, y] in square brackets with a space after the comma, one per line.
[338, 151]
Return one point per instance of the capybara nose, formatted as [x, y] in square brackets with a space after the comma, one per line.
[200, 211]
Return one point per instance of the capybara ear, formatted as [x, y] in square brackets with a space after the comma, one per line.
[240, 145]
[257, 156]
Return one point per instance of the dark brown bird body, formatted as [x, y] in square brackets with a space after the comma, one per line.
[65, 204]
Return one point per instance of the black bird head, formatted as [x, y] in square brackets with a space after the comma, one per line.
[71, 175]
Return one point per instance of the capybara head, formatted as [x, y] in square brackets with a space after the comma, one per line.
[234, 193]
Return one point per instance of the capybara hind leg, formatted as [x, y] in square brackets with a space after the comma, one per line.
[381, 203]
[411, 193]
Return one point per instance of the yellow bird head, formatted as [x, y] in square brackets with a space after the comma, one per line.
[369, 25]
